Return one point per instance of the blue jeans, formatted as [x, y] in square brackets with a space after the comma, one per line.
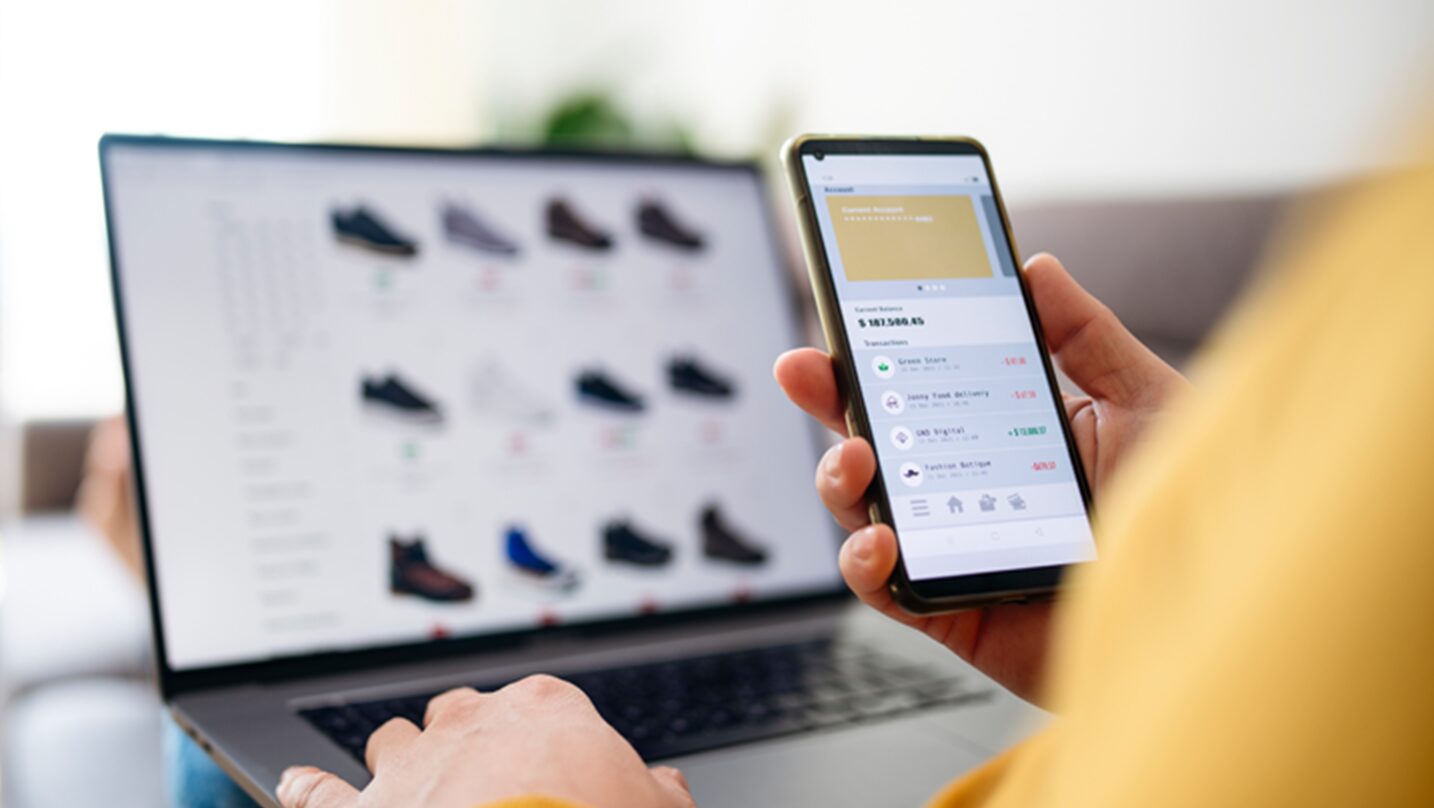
[195, 781]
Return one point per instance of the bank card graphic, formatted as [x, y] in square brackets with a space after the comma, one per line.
[901, 238]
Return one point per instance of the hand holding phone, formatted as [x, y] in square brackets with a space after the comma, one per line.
[1127, 386]
[941, 366]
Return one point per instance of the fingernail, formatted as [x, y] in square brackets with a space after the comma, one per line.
[832, 465]
[863, 544]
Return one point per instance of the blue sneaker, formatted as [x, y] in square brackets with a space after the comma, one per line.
[534, 566]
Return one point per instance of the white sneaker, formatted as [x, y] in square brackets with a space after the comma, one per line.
[497, 393]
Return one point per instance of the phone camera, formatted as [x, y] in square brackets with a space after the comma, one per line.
[820, 155]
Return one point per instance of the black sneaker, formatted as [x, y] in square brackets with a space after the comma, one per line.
[656, 223]
[594, 387]
[565, 225]
[391, 396]
[622, 543]
[462, 226]
[412, 573]
[686, 375]
[361, 228]
[722, 543]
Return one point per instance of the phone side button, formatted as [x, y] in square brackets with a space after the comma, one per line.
[873, 513]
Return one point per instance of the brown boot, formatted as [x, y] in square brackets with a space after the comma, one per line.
[411, 573]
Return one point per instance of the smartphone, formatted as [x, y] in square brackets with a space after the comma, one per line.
[943, 368]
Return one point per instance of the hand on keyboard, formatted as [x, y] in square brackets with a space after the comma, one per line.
[539, 735]
[667, 708]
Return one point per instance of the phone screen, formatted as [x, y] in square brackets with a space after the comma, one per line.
[964, 417]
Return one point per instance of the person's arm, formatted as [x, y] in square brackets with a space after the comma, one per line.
[105, 497]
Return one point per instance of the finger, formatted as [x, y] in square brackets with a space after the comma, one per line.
[389, 740]
[308, 787]
[1086, 339]
[674, 783]
[449, 702]
[1080, 414]
[807, 377]
[843, 475]
[867, 560]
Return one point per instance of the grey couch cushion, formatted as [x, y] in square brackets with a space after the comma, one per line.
[1168, 268]
[69, 610]
[85, 742]
[52, 453]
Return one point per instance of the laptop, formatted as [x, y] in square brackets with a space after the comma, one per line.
[408, 419]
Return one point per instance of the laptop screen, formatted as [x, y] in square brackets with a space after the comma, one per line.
[382, 396]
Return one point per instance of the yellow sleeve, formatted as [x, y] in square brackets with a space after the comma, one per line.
[976, 787]
[1256, 632]
[531, 802]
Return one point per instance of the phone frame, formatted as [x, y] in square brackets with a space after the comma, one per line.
[938, 594]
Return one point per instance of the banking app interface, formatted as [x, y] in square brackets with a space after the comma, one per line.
[967, 434]
[388, 397]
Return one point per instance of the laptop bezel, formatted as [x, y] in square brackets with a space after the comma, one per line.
[173, 682]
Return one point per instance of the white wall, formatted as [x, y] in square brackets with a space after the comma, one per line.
[1073, 98]
[70, 71]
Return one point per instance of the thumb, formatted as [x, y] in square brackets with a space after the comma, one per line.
[308, 787]
[1086, 340]
[674, 784]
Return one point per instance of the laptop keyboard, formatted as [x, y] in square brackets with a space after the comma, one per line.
[693, 704]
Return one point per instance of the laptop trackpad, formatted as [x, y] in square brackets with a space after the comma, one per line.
[889, 764]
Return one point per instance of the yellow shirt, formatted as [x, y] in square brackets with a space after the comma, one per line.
[1259, 630]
